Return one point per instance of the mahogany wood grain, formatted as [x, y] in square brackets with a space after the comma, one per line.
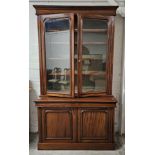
[57, 124]
[43, 57]
[110, 54]
[93, 124]
[39, 124]
[75, 105]
[47, 9]
[40, 56]
[76, 146]
[103, 99]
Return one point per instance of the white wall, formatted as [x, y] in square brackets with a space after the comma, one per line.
[34, 64]
[33, 67]
[117, 66]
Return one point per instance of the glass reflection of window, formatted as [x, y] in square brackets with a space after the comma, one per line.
[57, 25]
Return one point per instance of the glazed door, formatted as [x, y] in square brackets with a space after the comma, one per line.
[93, 55]
[57, 55]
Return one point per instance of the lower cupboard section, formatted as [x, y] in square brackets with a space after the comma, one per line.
[76, 128]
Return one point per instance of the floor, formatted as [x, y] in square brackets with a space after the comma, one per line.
[33, 149]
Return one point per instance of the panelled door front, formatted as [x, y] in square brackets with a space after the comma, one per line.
[77, 124]
[58, 125]
[95, 125]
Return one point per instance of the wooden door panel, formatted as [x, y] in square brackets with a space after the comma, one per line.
[94, 125]
[58, 125]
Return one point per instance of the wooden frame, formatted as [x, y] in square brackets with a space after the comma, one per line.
[93, 112]
[42, 53]
[57, 124]
[109, 54]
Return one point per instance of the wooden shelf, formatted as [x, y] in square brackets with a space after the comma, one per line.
[93, 73]
[83, 43]
[92, 89]
[58, 81]
[60, 91]
[58, 58]
[83, 30]
[57, 30]
[92, 57]
[62, 43]
[93, 43]
[93, 30]
[89, 56]
[59, 74]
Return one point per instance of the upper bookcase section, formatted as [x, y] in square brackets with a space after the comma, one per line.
[76, 50]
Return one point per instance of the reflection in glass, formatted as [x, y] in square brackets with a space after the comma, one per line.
[57, 43]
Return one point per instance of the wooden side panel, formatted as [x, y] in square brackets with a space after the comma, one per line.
[58, 125]
[95, 125]
[110, 54]
[39, 124]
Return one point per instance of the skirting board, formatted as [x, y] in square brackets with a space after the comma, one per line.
[76, 146]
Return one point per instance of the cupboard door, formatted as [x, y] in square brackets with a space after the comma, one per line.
[95, 125]
[57, 55]
[93, 54]
[58, 125]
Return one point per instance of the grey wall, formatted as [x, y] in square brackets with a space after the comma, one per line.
[34, 65]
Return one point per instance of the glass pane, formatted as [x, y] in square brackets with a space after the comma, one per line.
[57, 43]
[94, 49]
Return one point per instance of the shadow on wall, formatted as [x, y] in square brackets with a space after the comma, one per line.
[33, 120]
